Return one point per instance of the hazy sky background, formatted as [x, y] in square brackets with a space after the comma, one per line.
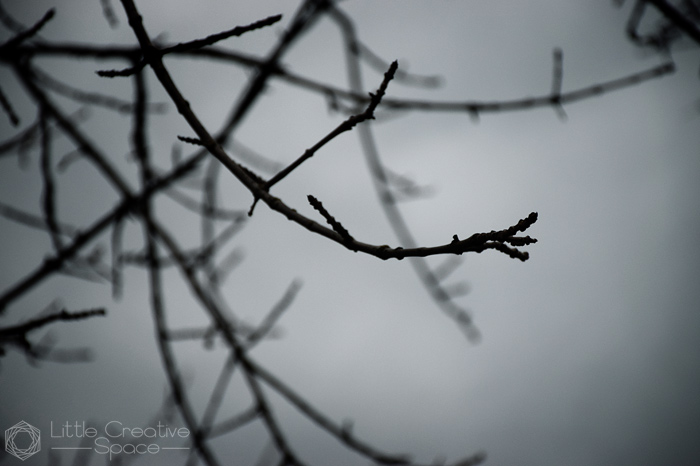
[590, 352]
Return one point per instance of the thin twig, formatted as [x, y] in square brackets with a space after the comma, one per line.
[346, 125]
[34, 221]
[557, 80]
[336, 225]
[275, 313]
[214, 38]
[49, 192]
[63, 315]
[324, 422]
[9, 110]
[29, 33]
[187, 46]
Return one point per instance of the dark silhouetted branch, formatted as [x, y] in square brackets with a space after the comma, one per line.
[337, 227]
[7, 47]
[214, 38]
[17, 335]
[7, 107]
[63, 315]
[679, 19]
[347, 125]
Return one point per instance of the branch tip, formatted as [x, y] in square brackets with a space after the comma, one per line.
[337, 227]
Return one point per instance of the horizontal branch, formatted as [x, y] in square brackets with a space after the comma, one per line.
[23, 329]
[476, 107]
[17, 335]
[214, 38]
[186, 46]
[469, 106]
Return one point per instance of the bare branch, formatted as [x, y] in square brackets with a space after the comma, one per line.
[214, 38]
[275, 313]
[557, 79]
[17, 335]
[186, 46]
[679, 19]
[474, 107]
[328, 425]
[28, 34]
[7, 107]
[63, 315]
[347, 125]
[33, 221]
[91, 98]
[337, 227]
[109, 14]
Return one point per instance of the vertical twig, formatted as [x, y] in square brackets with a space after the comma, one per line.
[557, 80]
[49, 191]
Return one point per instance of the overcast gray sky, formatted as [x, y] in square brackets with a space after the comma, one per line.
[590, 352]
